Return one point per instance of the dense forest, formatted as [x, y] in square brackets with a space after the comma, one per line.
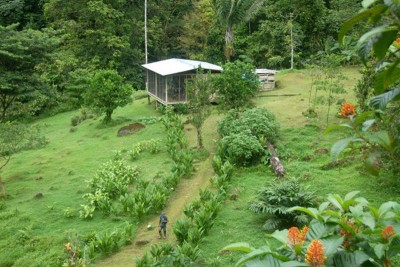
[50, 49]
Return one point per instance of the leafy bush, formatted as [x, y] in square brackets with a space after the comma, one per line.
[260, 122]
[75, 120]
[343, 232]
[236, 85]
[276, 200]
[114, 178]
[240, 148]
[181, 230]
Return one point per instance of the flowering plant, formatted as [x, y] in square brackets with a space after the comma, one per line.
[343, 232]
[347, 110]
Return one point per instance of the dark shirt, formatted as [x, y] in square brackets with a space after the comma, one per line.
[163, 220]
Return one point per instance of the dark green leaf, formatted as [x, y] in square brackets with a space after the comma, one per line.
[339, 146]
[380, 101]
[376, 10]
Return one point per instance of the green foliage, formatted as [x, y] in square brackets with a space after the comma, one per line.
[260, 122]
[328, 79]
[230, 13]
[22, 92]
[236, 85]
[181, 230]
[277, 198]
[377, 139]
[240, 149]
[106, 92]
[352, 233]
[199, 91]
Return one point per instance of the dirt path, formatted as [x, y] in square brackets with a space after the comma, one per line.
[186, 191]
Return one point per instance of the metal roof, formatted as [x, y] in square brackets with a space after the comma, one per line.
[265, 71]
[176, 65]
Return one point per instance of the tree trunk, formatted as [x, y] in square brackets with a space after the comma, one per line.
[199, 138]
[3, 189]
[107, 118]
[275, 162]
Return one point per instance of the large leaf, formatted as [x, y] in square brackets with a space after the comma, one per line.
[361, 118]
[293, 264]
[280, 235]
[380, 138]
[336, 201]
[313, 212]
[376, 10]
[387, 75]
[331, 245]
[379, 250]
[387, 206]
[368, 3]
[339, 127]
[384, 40]
[347, 259]
[379, 38]
[257, 253]
[369, 220]
[317, 230]
[268, 260]
[367, 124]
[240, 246]
[394, 247]
[340, 145]
[381, 101]
[351, 195]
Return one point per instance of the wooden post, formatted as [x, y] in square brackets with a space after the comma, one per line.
[275, 162]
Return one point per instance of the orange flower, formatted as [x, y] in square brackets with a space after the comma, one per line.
[388, 232]
[296, 237]
[315, 254]
[347, 110]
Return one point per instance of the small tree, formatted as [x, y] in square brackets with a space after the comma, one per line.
[199, 91]
[15, 138]
[236, 85]
[107, 91]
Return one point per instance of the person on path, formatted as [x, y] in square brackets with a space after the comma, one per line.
[163, 225]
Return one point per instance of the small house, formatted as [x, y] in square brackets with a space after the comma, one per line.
[267, 79]
[166, 79]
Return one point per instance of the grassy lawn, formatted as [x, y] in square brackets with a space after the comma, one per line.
[35, 229]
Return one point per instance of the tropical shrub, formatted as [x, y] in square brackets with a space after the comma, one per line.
[181, 230]
[276, 200]
[113, 178]
[236, 85]
[258, 121]
[241, 149]
[343, 232]
[377, 139]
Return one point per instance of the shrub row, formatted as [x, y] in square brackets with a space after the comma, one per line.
[199, 217]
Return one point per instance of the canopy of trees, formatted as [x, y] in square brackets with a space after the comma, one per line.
[51, 49]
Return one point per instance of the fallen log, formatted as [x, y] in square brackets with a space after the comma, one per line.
[275, 162]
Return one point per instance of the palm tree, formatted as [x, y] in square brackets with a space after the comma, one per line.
[232, 12]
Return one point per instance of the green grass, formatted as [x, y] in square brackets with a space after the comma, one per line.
[34, 230]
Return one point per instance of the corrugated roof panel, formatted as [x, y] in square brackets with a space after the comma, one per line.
[176, 65]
